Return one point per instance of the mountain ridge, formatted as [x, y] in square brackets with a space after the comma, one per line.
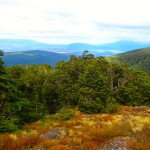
[33, 57]
[21, 54]
[12, 45]
[136, 59]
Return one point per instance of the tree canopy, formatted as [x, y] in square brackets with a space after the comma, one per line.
[27, 93]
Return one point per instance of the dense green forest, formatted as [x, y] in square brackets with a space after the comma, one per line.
[137, 59]
[28, 93]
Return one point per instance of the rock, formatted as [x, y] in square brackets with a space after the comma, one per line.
[55, 133]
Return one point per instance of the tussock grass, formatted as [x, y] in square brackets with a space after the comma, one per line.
[83, 131]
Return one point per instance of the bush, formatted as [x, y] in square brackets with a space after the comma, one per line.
[94, 106]
[65, 114]
[9, 125]
[111, 105]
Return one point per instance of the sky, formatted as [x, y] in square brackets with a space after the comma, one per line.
[75, 21]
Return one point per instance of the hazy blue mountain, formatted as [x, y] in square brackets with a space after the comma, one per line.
[107, 49]
[119, 45]
[12, 45]
[33, 57]
[125, 45]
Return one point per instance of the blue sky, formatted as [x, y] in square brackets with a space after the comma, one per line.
[69, 21]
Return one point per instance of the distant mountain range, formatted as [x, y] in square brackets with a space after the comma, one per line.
[13, 45]
[136, 59]
[31, 52]
[119, 45]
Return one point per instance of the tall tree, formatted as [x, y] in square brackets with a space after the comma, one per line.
[11, 101]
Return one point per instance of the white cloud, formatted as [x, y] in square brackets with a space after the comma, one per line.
[67, 21]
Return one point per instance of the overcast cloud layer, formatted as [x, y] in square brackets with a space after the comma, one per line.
[68, 21]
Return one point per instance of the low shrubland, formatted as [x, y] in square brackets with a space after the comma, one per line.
[72, 129]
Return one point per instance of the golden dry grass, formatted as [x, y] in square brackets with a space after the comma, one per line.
[83, 132]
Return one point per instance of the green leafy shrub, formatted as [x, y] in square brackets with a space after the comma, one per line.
[94, 106]
[65, 114]
[9, 125]
[111, 105]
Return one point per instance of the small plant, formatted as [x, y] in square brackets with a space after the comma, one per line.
[98, 135]
[9, 126]
[107, 118]
[111, 105]
[5, 140]
[142, 139]
[65, 114]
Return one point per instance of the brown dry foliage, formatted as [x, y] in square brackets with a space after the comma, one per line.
[84, 132]
[141, 140]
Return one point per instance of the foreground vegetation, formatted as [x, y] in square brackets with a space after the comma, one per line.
[128, 128]
[29, 93]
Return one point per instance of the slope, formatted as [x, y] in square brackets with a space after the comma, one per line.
[33, 57]
[136, 59]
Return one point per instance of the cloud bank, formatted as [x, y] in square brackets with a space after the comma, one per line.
[68, 21]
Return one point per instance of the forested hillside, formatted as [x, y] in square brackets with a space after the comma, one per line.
[137, 59]
[27, 93]
[33, 57]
